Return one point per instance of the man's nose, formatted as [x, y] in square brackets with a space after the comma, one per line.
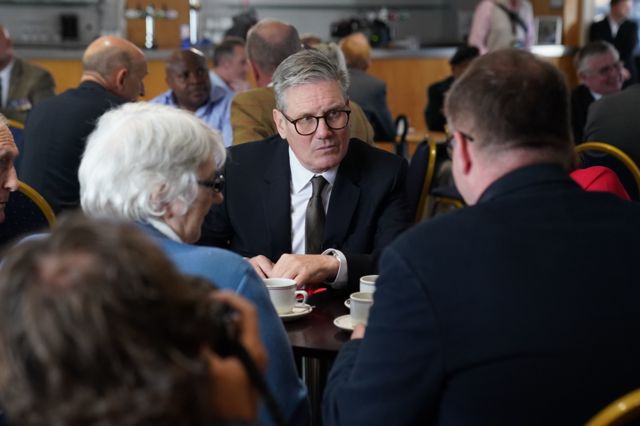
[323, 129]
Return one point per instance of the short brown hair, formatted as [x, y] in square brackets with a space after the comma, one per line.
[511, 99]
[267, 47]
[92, 331]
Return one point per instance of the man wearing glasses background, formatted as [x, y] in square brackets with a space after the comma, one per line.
[310, 203]
[600, 72]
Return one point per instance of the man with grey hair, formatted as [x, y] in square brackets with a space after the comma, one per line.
[56, 129]
[160, 167]
[600, 72]
[22, 85]
[493, 315]
[269, 42]
[310, 203]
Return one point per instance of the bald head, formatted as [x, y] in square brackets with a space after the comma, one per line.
[116, 64]
[270, 42]
[6, 47]
[357, 51]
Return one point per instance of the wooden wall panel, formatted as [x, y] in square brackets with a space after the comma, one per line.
[167, 31]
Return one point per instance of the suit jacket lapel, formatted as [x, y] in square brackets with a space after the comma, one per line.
[342, 205]
[14, 80]
[276, 201]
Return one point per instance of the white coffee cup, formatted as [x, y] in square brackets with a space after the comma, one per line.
[360, 304]
[284, 295]
[368, 283]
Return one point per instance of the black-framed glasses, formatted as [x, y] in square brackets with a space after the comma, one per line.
[216, 184]
[307, 125]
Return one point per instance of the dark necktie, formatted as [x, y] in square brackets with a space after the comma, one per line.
[314, 218]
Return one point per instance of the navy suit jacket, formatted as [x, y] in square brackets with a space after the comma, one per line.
[625, 41]
[367, 209]
[581, 100]
[54, 140]
[520, 310]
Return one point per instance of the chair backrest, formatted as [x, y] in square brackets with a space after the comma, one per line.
[603, 154]
[422, 169]
[26, 212]
[17, 131]
[619, 412]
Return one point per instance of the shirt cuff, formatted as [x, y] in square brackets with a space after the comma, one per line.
[342, 276]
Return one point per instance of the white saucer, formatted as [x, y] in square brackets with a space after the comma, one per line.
[299, 310]
[344, 322]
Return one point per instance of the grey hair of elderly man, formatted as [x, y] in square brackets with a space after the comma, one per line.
[307, 66]
[142, 158]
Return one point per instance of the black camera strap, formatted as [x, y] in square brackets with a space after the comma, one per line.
[514, 18]
[258, 381]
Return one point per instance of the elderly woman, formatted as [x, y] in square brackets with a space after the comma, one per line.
[158, 166]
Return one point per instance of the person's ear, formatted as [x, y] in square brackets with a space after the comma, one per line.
[254, 70]
[281, 123]
[463, 153]
[121, 76]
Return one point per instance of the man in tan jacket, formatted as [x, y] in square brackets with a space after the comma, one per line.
[269, 42]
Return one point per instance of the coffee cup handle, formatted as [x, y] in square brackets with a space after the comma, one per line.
[304, 295]
[347, 303]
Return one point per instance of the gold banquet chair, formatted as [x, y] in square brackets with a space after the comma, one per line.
[604, 154]
[27, 212]
[619, 412]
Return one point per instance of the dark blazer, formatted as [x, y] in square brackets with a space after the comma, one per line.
[625, 41]
[581, 99]
[28, 85]
[54, 140]
[371, 93]
[613, 119]
[490, 316]
[367, 209]
[433, 113]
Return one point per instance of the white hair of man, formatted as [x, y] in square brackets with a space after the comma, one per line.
[142, 157]
[334, 53]
[304, 67]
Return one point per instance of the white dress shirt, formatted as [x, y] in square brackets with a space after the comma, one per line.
[301, 191]
[5, 77]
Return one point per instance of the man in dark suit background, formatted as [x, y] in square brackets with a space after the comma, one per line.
[56, 130]
[600, 73]
[491, 315]
[368, 91]
[22, 85]
[434, 111]
[619, 30]
[276, 214]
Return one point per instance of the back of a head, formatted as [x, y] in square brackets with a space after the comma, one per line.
[92, 331]
[305, 67]
[511, 99]
[594, 48]
[464, 54]
[143, 156]
[105, 56]
[269, 42]
[357, 51]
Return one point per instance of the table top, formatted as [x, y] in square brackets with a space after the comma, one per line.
[315, 334]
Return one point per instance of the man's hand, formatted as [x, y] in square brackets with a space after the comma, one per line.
[306, 269]
[358, 332]
[262, 265]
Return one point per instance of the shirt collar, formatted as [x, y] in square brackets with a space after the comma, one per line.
[300, 176]
[164, 229]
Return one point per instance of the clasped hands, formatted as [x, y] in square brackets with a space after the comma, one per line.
[307, 270]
